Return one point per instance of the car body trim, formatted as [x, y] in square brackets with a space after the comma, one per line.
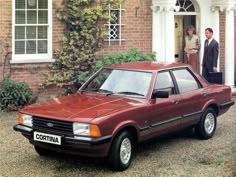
[166, 121]
[227, 104]
[76, 139]
[145, 128]
[171, 120]
[89, 140]
[193, 113]
[22, 128]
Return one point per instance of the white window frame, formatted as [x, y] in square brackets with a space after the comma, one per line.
[120, 25]
[186, 12]
[33, 58]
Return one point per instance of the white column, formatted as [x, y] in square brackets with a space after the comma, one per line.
[229, 7]
[169, 36]
[216, 28]
[229, 47]
[156, 33]
[163, 29]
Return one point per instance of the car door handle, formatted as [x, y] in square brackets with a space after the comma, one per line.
[204, 93]
[176, 101]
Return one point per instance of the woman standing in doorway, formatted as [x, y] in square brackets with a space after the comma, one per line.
[192, 46]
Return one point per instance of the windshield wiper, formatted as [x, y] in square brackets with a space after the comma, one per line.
[126, 93]
[104, 90]
[109, 92]
[97, 90]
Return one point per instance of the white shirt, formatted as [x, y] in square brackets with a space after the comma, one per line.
[209, 41]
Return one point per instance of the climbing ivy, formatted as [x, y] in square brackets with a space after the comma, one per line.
[84, 33]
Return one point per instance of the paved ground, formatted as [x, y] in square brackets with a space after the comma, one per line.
[176, 155]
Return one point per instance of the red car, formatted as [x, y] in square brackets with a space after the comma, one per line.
[122, 105]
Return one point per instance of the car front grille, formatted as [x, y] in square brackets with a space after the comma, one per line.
[52, 125]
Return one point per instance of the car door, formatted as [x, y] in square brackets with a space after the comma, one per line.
[192, 95]
[165, 113]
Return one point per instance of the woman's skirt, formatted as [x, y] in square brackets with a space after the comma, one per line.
[193, 61]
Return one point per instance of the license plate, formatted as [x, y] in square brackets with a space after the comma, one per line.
[47, 138]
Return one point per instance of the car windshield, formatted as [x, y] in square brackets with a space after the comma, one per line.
[120, 82]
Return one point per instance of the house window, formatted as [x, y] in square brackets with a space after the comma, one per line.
[32, 30]
[185, 6]
[115, 25]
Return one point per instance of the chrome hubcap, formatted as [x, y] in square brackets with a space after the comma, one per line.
[125, 151]
[209, 123]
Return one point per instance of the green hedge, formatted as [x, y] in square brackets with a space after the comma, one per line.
[116, 58]
[14, 95]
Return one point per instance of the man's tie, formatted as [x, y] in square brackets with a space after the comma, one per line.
[207, 42]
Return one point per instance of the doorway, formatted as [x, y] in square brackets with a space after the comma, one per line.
[181, 24]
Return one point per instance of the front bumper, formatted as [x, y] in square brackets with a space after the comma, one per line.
[84, 146]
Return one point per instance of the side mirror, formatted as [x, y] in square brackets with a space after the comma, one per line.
[160, 94]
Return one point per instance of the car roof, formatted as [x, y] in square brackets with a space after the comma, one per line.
[146, 65]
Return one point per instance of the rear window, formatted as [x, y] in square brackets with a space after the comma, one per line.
[185, 81]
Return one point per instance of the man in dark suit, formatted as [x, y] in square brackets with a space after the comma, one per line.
[211, 52]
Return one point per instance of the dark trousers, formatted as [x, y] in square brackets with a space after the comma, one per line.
[206, 73]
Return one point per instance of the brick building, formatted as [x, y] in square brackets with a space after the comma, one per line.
[30, 31]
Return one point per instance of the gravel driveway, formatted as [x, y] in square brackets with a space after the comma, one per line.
[180, 154]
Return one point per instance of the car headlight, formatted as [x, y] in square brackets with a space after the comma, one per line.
[84, 129]
[25, 119]
[81, 129]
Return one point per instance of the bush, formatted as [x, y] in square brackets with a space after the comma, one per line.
[84, 33]
[14, 95]
[116, 58]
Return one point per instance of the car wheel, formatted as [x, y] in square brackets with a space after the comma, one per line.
[42, 151]
[207, 125]
[121, 152]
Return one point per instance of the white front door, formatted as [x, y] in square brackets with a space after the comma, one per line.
[182, 22]
[178, 38]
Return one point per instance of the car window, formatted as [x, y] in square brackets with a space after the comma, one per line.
[98, 81]
[185, 81]
[164, 82]
[128, 81]
[120, 82]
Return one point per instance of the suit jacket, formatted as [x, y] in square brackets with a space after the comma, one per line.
[210, 56]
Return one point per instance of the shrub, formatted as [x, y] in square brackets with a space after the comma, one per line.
[84, 33]
[116, 58]
[14, 95]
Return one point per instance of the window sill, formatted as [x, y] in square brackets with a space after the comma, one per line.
[114, 40]
[28, 61]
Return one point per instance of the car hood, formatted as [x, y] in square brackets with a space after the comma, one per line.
[80, 107]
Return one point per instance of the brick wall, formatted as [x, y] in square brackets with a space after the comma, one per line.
[57, 26]
[235, 49]
[137, 31]
[33, 74]
[222, 42]
[5, 36]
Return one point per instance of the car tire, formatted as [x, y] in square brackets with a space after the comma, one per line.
[41, 151]
[121, 152]
[205, 129]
